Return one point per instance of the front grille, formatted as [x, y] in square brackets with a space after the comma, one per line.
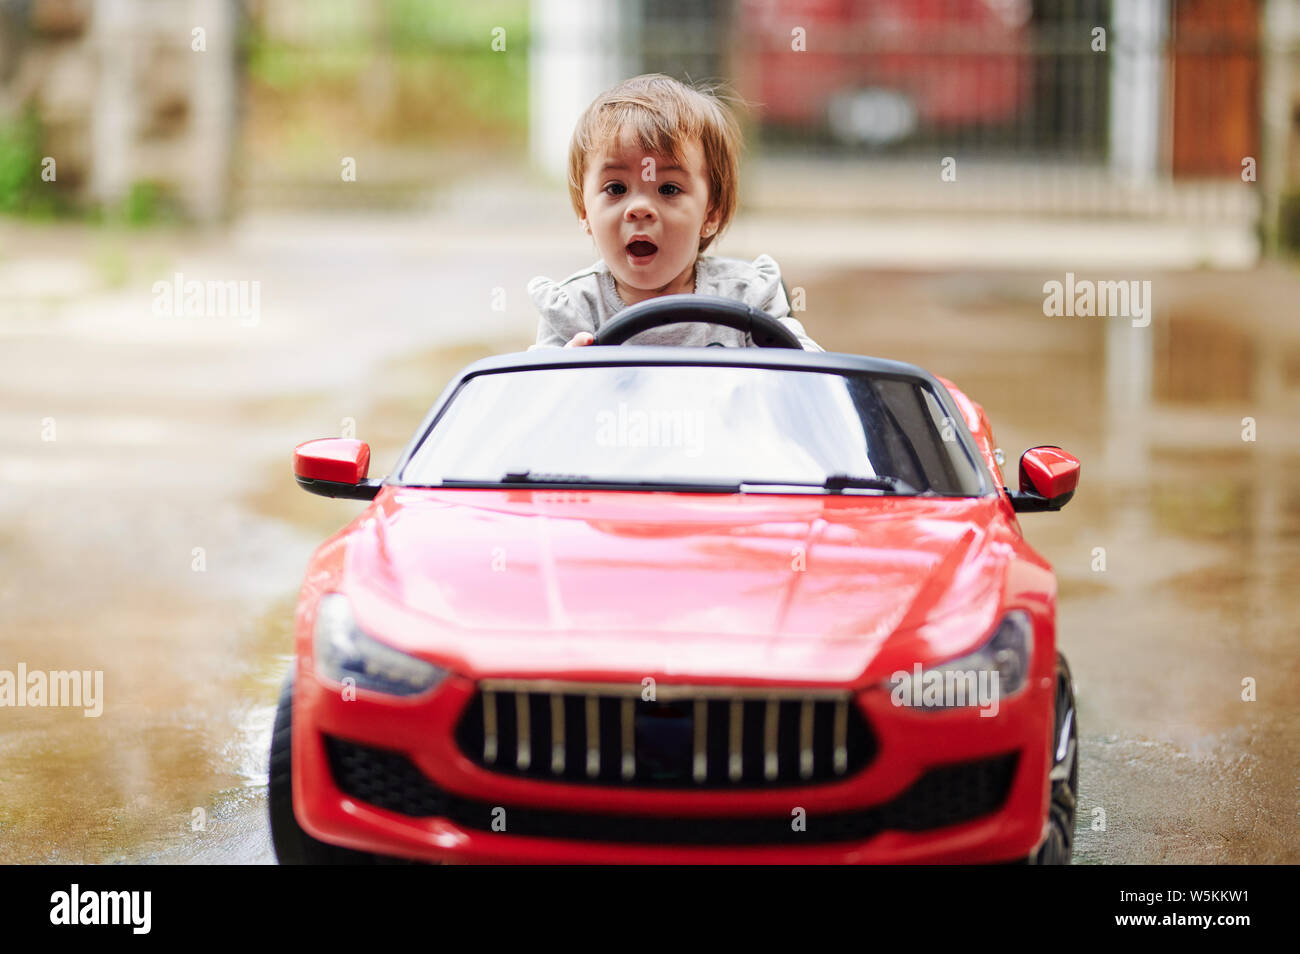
[689, 737]
[948, 795]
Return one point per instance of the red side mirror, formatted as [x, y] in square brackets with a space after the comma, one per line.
[1048, 479]
[335, 467]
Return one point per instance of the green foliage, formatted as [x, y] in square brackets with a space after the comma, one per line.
[452, 23]
[1288, 225]
[446, 83]
[142, 203]
[22, 192]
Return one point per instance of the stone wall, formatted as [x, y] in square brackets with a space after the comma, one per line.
[128, 92]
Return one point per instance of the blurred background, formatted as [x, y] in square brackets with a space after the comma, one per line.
[381, 178]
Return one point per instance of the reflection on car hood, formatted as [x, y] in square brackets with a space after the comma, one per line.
[796, 587]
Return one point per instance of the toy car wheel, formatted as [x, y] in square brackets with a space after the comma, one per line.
[1057, 846]
[293, 846]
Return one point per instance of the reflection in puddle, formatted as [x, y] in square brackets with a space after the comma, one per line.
[1194, 528]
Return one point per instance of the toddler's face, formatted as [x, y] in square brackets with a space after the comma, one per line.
[647, 217]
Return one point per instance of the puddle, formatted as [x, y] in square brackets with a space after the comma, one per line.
[1197, 532]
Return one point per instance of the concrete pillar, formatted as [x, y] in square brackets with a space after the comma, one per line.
[579, 48]
[1137, 116]
[1277, 38]
[115, 109]
[212, 129]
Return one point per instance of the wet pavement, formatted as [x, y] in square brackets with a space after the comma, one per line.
[159, 536]
[1179, 557]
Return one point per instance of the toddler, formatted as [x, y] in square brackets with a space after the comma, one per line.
[653, 166]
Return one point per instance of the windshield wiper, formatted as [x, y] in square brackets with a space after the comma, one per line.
[528, 477]
[877, 482]
[535, 478]
[833, 483]
[840, 482]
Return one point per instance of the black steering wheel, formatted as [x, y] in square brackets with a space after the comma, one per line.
[764, 330]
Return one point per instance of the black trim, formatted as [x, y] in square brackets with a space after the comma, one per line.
[367, 489]
[947, 795]
[1026, 501]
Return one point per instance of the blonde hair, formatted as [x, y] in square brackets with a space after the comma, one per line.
[663, 114]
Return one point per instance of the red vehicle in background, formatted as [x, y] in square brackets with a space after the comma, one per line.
[877, 71]
[658, 604]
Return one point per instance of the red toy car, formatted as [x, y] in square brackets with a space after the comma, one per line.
[665, 604]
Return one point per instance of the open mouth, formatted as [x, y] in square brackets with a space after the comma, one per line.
[641, 249]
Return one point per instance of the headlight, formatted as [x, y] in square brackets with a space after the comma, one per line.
[996, 670]
[343, 652]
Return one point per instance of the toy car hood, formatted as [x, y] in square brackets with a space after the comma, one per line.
[792, 587]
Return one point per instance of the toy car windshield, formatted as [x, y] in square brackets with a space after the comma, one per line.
[696, 427]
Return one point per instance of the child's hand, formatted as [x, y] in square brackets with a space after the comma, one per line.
[580, 339]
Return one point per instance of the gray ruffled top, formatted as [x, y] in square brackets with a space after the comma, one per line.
[588, 298]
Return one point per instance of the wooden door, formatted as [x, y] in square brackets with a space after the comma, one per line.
[1215, 78]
